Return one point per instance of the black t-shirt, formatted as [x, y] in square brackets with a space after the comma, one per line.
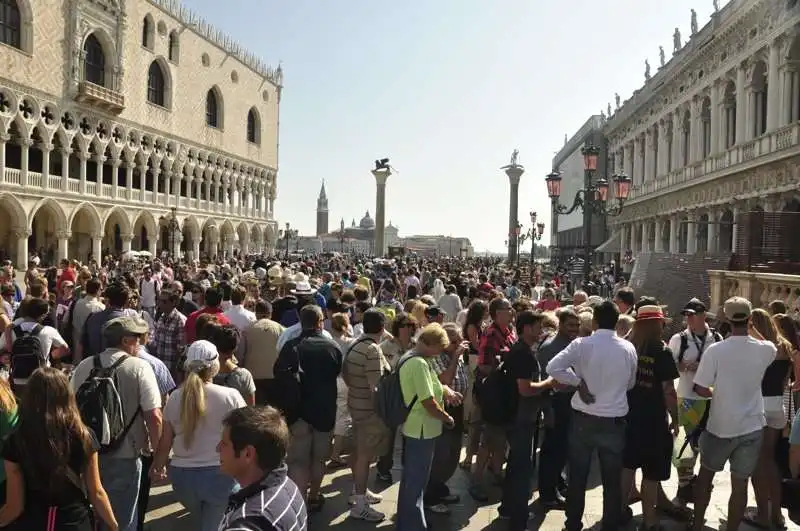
[523, 365]
[646, 402]
[60, 492]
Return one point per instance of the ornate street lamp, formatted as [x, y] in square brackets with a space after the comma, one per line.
[287, 234]
[534, 234]
[593, 198]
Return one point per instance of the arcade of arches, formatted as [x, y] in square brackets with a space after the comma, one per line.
[55, 230]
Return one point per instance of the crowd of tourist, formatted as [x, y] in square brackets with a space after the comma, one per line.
[245, 381]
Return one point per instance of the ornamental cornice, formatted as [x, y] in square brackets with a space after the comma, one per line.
[775, 178]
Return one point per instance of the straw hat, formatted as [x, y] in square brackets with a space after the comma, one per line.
[649, 312]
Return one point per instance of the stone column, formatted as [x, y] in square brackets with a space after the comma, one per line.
[4, 138]
[623, 238]
[25, 148]
[129, 180]
[735, 228]
[691, 235]
[127, 239]
[176, 243]
[63, 237]
[22, 236]
[677, 162]
[97, 247]
[152, 242]
[659, 244]
[198, 187]
[644, 243]
[82, 158]
[674, 234]
[142, 181]
[156, 173]
[195, 248]
[716, 114]
[697, 131]
[381, 176]
[773, 92]
[649, 153]
[712, 245]
[46, 149]
[98, 173]
[741, 103]
[168, 187]
[64, 170]
[636, 165]
[115, 162]
[786, 96]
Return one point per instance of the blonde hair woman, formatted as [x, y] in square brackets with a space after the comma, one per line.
[425, 394]
[766, 479]
[192, 427]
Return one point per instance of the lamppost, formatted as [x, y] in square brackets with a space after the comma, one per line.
[287, 234]
[534, 234]
[174, 227]
[592, 199]
[341, 236]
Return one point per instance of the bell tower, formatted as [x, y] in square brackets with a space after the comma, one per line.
[322, 211]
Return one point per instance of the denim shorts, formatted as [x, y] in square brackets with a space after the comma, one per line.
[742, 452]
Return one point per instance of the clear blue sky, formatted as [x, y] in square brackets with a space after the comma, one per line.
[447, 89]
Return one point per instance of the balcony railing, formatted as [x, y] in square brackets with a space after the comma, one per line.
[769, 143]
[107, 99]
[759, 288]
[12, 177]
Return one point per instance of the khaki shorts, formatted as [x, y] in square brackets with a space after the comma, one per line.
[308, 446]
[372, 437]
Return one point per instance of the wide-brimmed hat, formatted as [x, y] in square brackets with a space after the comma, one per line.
[303, 288]
[650, 312]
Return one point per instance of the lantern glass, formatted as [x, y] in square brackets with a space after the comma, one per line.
[590, 158]
[602, 190]
[622, 187]
[540, 228]
[554, 185]
[533, 218]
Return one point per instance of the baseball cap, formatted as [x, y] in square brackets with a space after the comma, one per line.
[737, 309]
[694, 306]
[128, 325]
[201, 352]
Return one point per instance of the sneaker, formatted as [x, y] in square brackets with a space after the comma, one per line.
[366, 513]
[438, 508]
[386, 477]
[370, 497]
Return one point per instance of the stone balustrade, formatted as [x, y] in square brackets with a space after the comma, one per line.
[759, 288]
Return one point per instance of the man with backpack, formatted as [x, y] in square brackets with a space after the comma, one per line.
[688, 347]
[119, 400]
[364, 365]
[30, 343]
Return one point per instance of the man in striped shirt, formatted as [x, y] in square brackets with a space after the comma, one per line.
[363, 367]
[253, 452]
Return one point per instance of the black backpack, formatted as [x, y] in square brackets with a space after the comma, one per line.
[389, 403]
[685, 343]
[100, 405]
[498, 397]
[27, 352]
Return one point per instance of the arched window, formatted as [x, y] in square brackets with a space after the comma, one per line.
[212, 109]
[94, 66]
[173, 46]
[10, 23]
[147, 32]
[253, 127]
[156, 87]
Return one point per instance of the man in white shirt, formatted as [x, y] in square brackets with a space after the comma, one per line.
[734, 369]
[603, 368]
[149, 286]
[237, 314]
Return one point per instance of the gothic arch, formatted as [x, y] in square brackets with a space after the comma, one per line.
[91, 211]
[25, 26]
[52, 207]
[120, 215]
[148, 221]
[15, 210]
[109, 54]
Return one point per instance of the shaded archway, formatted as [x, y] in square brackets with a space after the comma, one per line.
[85, 227]
[683, 235]
[256, 243]
[145, 232]
[702, 233]
[209, 238]
[666, 230]
[12, 223]
[48, 222]
[117, 227]
[726, 232]
[244, 238]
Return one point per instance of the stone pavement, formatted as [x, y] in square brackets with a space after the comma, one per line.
[166, 514]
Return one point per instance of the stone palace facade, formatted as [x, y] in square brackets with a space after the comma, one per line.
[715, 131]
[132, 124]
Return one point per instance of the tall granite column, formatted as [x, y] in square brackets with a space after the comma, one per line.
[381, 176]
[514, 173]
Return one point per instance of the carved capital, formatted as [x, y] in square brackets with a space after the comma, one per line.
[63, 235]
[21, 233]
